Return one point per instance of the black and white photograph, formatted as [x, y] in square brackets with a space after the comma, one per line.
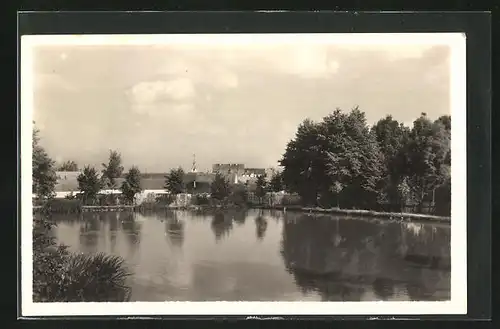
[256, 173]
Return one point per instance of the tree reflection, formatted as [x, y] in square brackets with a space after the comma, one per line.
[429, 284]
[260, 227]
[89, 232]
[383, 288]
[132, 229]
[174, 229]
[221, 225]
[239, 216]
[338, 258]
[113, 229]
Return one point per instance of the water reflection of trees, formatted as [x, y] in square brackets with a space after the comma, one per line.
[114, 219]
[339, 259]
[174, 229]
[239, 216]
[222, 224]
[383, 288]
[90, 226]
[260, 227]
[131, 228]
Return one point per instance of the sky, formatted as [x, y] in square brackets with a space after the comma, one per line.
[227, 103]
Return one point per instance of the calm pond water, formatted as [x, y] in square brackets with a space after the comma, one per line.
[267, 255]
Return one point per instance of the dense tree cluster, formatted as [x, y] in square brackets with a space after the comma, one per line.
[341, 161]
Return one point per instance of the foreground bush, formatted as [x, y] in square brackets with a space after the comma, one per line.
[61, 276]
[94, 278]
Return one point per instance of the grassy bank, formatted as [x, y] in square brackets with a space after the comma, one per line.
[362, 213]
[350, 212]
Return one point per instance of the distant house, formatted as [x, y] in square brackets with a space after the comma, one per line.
[229, 168]
[237, 173]
[67, 181]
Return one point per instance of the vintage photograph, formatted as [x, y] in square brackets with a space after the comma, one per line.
[243, 168]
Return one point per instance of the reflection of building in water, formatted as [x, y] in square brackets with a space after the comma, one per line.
[319, 260]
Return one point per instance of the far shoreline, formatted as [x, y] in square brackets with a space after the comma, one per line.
[406, 217]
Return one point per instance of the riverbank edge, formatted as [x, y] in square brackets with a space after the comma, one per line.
[351, 212]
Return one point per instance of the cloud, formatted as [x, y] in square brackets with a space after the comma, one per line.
[152, 91]
[53, 81]
[308, 63]
[216, 75]
[223, 78]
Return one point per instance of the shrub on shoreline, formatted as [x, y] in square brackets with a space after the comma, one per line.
[62, 276]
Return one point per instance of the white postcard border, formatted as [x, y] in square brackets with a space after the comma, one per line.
[458, 302]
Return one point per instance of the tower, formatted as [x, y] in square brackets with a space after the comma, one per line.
[193, 168]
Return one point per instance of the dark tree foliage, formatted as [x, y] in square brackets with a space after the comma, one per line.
[445, 120]
[427, 153]
[341, 161]
[336, 156]
[43, 172]
[132, 184]
[304, 162]
[393, 138]
[89, 185]
[174, 181]
[219, 189]
[276, 183]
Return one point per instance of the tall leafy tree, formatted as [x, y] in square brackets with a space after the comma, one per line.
[219, 189]
[445, 120]
[89, 184]
[132, 184]
[261, 187]
[304, 170]
[427, 154]
[112, 170]
[43, 172]
[392, 138]
[338, 154]
[174, 181]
